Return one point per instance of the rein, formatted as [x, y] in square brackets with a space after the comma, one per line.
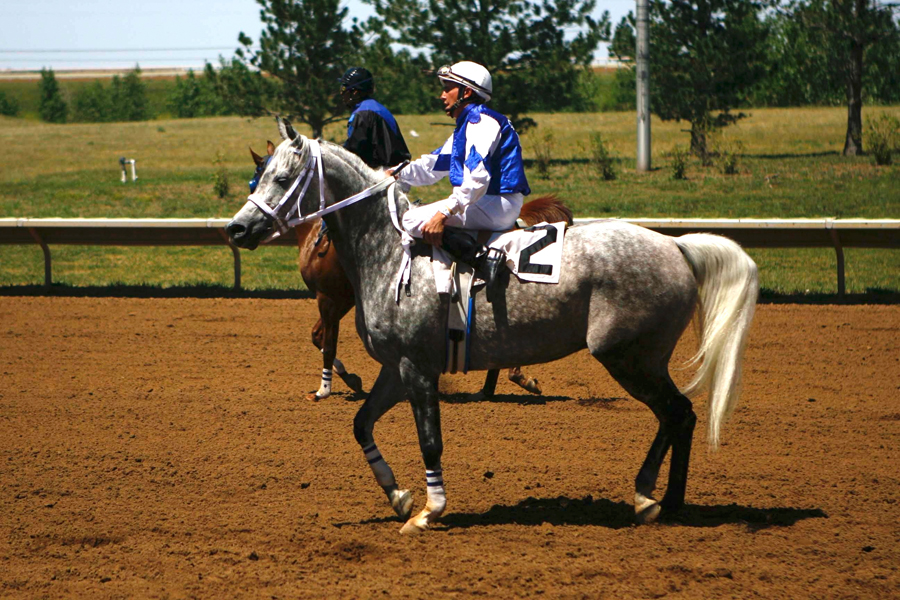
[313, 165]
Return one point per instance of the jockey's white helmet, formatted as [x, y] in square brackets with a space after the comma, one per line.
[470, 74]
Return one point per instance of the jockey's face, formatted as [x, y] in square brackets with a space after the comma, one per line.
[351, 97]
[451, 94]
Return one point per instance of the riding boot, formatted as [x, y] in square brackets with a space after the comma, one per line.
[461, 246]
[492, 265]
[487, 262]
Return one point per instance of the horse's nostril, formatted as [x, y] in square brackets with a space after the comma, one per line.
[234, 229]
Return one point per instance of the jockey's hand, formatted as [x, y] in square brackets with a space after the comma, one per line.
[390, 173]
[433, 230]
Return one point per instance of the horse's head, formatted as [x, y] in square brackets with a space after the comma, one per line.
[273, 190]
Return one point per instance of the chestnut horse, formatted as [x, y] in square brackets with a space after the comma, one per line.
[325, 278]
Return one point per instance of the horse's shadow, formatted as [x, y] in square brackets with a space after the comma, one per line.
[615, 515]
[463, 398]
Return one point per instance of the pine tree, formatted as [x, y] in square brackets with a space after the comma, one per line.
[306, 48]
[707, 56]
[53, 108]
[523, 43]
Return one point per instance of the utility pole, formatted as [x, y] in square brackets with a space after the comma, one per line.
[643, 85]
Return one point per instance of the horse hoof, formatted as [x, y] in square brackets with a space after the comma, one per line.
[316, 397]
[533, 386]
[402, 504]
[646, 510]
[353, 381]
[412, 528]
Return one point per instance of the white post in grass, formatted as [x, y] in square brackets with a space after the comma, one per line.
[128, 161]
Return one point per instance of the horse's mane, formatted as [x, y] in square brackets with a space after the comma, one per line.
[545, 209]
[353, 161]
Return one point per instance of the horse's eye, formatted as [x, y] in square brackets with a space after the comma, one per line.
[281, 179]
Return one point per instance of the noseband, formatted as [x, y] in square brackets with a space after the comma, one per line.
[312, 166]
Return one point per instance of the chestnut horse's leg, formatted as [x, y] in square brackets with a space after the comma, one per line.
[529, 383]
[325, 337]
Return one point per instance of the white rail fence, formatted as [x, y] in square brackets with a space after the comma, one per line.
[750, 233]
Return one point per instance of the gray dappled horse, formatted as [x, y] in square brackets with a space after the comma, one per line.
[626, 294]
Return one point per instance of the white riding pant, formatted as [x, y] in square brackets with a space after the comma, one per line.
[494, 213]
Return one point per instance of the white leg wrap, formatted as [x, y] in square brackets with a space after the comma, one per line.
[383, 474]
[436, 498]
[434, 507]
[339, 367]
[325, 388]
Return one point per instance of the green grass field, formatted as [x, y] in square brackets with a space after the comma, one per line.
[790, 167]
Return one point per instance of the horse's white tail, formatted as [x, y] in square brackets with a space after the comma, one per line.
[728, 288]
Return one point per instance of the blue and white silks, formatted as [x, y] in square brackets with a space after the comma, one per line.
[483, 157]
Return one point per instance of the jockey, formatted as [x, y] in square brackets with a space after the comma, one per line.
[483, 158]
[372, 131]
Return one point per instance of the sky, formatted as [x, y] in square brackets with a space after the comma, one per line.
[105, 34]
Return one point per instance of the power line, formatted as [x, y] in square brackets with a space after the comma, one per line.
[105, 60]
[72, 51]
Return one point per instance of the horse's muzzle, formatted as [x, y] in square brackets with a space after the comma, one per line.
[240, 235]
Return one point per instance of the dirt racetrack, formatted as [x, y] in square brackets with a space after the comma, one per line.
[164, 448]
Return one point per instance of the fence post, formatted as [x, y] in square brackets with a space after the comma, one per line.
[839, 251]
[237, 260]
[48, 278]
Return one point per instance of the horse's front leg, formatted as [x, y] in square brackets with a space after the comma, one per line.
[387, 391]
[423, 396]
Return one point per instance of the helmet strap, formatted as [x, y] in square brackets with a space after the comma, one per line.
[460, 99]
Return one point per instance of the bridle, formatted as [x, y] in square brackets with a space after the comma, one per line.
[282, 216]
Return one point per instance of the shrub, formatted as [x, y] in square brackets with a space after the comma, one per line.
[679, 158]
[8, 106]
[220, 177]
[728, 153]
[543, 154]
[883, 137]
[602, 158]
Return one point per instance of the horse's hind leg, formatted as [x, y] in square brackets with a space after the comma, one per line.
[653, 386]
[423, 397]
[527, 383]
[386, 392]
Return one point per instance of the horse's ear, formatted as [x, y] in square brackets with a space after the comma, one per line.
[256, 157]
[270, 147]
[285, 129]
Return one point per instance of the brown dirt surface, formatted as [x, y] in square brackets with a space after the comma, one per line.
[164, 448]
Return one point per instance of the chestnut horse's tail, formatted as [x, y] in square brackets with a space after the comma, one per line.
[545, 209]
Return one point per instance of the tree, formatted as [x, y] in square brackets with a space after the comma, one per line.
[707, 55]
[53, 108]
[521, 42]
[306, 48]
[847, 28]
[128, 98]
[624, 42]
[402, 80]
[241, 90]
[195, 97]
[799, 71]
[92, 104]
